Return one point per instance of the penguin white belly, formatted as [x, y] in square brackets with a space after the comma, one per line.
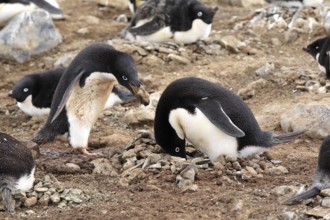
[199, 31]
[85, 105]
[112, 100]
[8, 11]
[28, 108]
[26, 182]
[203, 134]
[251, 150]
[161, 35]
[321, 68]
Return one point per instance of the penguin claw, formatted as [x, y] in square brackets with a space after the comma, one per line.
[86, 152]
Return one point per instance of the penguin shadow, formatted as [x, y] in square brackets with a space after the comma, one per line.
[321, 179]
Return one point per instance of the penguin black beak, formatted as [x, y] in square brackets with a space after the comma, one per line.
[141, 93]
[134, 89]
[305, 49]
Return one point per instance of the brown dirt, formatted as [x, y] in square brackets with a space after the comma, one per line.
[214, 199]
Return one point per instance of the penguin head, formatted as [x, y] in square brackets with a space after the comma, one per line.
[124, 70]
[315, 47]
[25, 87]
[200, 11]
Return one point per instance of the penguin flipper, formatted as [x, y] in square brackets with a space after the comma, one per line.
[46, 6]
[66, 95]
[314, 191]
[148, 28]
[213, 111]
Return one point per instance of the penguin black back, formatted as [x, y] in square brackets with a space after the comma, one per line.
[187, 93]
[324, 156]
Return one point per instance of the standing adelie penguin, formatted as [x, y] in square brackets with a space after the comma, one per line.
[320, 49]
[182, 21]
[83, 90]
[34, 92]
[11, 8]
[213, 119]
[321, 178]
[16, 168]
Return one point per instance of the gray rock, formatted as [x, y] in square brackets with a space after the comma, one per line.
[103, 166]
[55, 198]
[41, 189]
[30, 201]
[266, 69]
[325, 193]
[27, 34]
[314, 118]
[63, 61]
[288, 216]
[284, 190]
[178, 59]
[318, 212]
[139, 116]
[325, 202]
[44, 200]
[73, 166]
[277, 170]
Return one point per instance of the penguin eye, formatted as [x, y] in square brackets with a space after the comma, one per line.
[125, 78]
[317, 48]
[5, 139]
[199, 14]
[177, 149]
[25, 90]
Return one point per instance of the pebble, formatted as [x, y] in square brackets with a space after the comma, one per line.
[30, 201]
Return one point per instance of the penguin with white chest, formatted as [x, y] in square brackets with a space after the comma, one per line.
[213, 119]
[321, 178]
[181, 21]
[16, 168]
[320, 51]
[34, 92]
[11, 8]
[83, 90]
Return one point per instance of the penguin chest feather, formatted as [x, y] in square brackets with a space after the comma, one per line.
[28, 108]
[203, 134]
[85, 105]
[321, 68]
[199, 31]
[7, 11]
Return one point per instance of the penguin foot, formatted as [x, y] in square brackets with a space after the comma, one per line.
[6, 196]
[86, 152]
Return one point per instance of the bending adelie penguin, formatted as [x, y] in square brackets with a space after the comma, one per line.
[11, 8]
[16, 168]
[83, 91]
[321, 178]
[213, 119]
[319, 50]
[34, 92]
[182, 21]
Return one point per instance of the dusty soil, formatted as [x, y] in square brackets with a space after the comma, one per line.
[214, 199]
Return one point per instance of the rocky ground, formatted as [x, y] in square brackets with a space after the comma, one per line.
[135, 179]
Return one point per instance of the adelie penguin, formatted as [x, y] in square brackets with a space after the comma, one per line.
[212, 118]
[11, 8]
[83, 91]
[182, 21]
[34, 92]
[321, 178]
[16, 168]
[320, 51]
[134, 4]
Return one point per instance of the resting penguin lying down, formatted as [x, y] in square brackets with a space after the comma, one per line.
[212, 118]
[182, 21]
[83, 91]
[16, 168]
[34, 92]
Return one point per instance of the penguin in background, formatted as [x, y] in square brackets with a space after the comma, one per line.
[134, 4]
[320, 51]
[83, 90]
[17, 168]
[321, 178]
[11, 8]
[34, 92]
[212, 118]
[181, 21]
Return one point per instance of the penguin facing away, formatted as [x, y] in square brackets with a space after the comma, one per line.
[212, 118]
[182, 21]
[319, 50]
[11, 8]
[83, 90]
[134, 4]
[321, 178]
[16, 168]
[34, 92]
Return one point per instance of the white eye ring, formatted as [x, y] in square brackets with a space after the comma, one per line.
[199, 14]
[177, 149]
[25, 90]
[125, 78]
[316, 48]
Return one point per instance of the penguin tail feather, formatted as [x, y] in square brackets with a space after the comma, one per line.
[302, 196]
[283, 138]
[44, 136]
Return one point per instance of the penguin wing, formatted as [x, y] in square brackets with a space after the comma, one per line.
[213, 111]
[149, 27]
[66, 95]
[47, 6]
